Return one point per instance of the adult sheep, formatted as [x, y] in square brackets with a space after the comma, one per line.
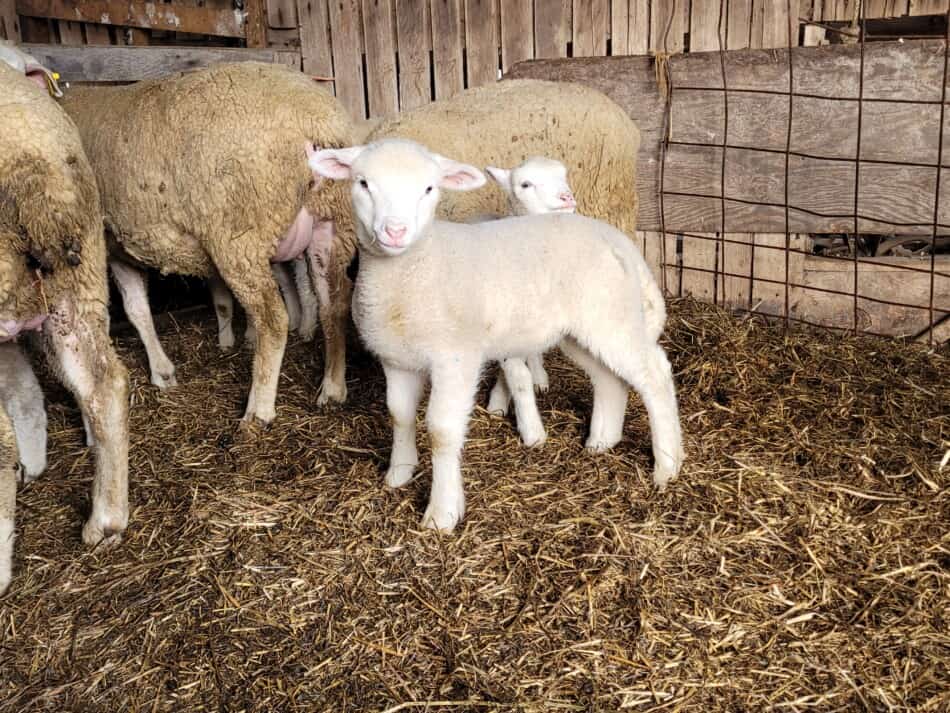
[204, 173]
[53, 278]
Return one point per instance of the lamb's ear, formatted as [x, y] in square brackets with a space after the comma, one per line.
[332, 163]
[459, 176]
[501, 176]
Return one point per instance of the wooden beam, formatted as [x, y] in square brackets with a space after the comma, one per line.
[899, 127]
[131, 64]
[255, 23]
[148, 15]
[9, 22]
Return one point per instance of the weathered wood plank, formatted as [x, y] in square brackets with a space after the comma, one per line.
[282, 14]
[590, 23]
[315, 53]
[517, 40]
[255, 23]
[347, 56]
[552, 27]
[36, 29]
[668, 23]
[481, 42]
[131, 64]
[739, 25]
[97, 35]
[9, 22]
[378, 33]
[137, 13]
[447, 47]
[928, 7]
[70, 33]
[412, 32]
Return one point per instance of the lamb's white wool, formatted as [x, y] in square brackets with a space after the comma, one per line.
[22, 399]
[439, 299]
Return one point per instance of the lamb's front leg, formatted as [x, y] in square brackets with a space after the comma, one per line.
[403, 392]
[8, 466]
[454, 384]
[82, 355]
[538, 373]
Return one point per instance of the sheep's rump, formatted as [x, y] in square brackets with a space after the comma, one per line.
[503, 124]
[49, 206]
[194, 161]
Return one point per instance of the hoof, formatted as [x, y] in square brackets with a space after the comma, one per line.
[444, 516]
[104, 530]
[398, 475]
[534, 439]
[164, 380]
[331, 393]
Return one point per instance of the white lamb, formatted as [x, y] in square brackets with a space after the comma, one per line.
[22, 399]
[439, 299]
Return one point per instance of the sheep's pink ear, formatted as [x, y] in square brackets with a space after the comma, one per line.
[501, 176]
[332, 163]
[459, 176]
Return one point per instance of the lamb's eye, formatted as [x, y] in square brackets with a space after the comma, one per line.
[428, 190]
[525, 184]
[364, 184]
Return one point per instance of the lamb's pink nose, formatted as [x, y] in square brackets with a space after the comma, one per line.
[567, 198]
[396, 232]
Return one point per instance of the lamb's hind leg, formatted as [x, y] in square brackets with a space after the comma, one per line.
[131, 283]
[223, 310]
[25, 408]
[8, 467]
[289, 292]
[610, 398]
[646, 368]
[83, 357]
[309, 307]
[518, 378]
[450, 405]
[334, 288]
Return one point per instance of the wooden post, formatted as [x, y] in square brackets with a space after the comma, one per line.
[255, 23]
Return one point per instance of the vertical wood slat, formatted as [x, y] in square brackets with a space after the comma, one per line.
[347, 58]
[282, 14]
[447, 47]
[97, 34]
[315, 54]
[255, 23]
[35, 29]
[739, 28]
[9, 22]
[412, 36]
[552, 27]
[70, 33]
[629, 27]
[517, 40]
[378, 35]
[668, 25]
[589, 28]
[481, 45]
[928, 7]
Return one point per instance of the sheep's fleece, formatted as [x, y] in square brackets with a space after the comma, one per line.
[203, 173]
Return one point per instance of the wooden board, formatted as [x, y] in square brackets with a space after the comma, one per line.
[137, 13]
[98, 34]
[481, 43]
[517, 19]
[131, 64]
[447, 47]
[668, 23]
[315, 54]
[9, 22]
[282, 14]
[255, 23]
[893, 198]
[347, 56]
[552, 27]
[591, 19]
[415, 86]
[378, 33]
[70, 33]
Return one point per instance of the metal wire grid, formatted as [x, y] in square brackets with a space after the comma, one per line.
[719, 271]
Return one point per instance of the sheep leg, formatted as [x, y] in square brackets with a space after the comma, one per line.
[223, 310]
[309, 308]
[538, 375]
[403, 392]
[288, 291]
[518, 376]
[131, 283]
[334, 288]
[645, 367]
[8, 468]
[610, 399]
[24, 407]
[500, 396]
[450, 404]
[258, 295]
[83, 358]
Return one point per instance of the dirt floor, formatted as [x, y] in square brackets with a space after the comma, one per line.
[801, 561]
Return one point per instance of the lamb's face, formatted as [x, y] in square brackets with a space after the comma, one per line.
[537, 186]
[395, 189]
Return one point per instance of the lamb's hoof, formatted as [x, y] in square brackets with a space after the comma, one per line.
[164, 379]
[497, 405]
[442, 519]
[251, 427]
[599, 444]
[307, 334]
[541, 382]
[226, 342]
[398, 475]
[104, 530]
[662, 475]
[5, 575]
[31, 471]
[534, 439]
[541, 388]
[331, 393]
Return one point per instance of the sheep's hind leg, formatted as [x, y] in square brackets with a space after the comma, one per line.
[223, 310]
[289, 292]
[500, 396]
[83, 357]
[403, 392]
[131, 284]
[646, 368]
[518, 376]
[610, 398]
[450, 404]
[8, 468]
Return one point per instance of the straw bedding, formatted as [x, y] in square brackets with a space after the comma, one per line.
[799, 563]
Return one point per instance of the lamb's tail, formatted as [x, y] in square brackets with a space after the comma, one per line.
[654, 306]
